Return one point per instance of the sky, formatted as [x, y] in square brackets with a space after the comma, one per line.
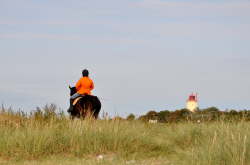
[142, 54]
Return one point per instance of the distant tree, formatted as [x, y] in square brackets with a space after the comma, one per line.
[163, 116]
[131, 117]
[117, 118]
[143, 118]
[211, 109]
[185, 112]
[152, 115]
[212, 113]
[233, 112]
[179, 115]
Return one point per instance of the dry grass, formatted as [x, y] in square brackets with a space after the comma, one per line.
[57, 140]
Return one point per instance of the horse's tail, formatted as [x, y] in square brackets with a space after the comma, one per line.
[88, 106]
[97, 106]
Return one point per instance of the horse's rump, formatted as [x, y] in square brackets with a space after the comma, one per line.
[87, 105]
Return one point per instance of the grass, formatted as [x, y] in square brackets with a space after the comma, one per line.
[57, 140]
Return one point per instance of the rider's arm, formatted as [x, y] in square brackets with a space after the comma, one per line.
[92, 86]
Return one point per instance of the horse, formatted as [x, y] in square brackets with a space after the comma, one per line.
[86, 106]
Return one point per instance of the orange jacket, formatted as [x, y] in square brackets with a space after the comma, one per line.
[84, 86]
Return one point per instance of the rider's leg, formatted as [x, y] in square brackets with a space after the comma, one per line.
[72, 98]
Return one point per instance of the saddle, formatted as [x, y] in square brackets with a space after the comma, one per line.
[77, 99]
[91, 97]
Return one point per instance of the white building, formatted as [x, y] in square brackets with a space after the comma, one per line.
[192, 103]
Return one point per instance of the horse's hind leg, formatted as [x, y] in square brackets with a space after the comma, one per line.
[96, 113]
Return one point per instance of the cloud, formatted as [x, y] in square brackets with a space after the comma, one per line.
[184, 9]
[38, 36]
[52, 22]
[89, 39]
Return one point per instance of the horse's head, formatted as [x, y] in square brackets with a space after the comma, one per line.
[72, 90]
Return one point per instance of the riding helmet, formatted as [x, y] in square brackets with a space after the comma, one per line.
[85, 73]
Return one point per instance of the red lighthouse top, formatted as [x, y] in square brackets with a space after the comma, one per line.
[193, 97]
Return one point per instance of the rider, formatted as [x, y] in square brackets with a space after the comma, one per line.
[84, 86]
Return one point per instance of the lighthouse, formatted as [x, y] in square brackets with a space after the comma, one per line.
[192, 103]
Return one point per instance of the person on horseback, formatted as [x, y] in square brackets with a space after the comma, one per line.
[84, 86]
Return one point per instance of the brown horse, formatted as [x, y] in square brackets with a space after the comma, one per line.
[86, 106]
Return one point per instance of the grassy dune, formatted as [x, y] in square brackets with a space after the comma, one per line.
[57, 140]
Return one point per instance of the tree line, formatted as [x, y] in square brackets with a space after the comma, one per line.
[201, 115]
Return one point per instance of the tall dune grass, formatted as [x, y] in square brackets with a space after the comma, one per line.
[37, 137]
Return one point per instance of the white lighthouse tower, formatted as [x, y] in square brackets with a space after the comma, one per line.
[192, 102]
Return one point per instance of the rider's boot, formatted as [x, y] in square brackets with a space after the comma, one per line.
[71, 106]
